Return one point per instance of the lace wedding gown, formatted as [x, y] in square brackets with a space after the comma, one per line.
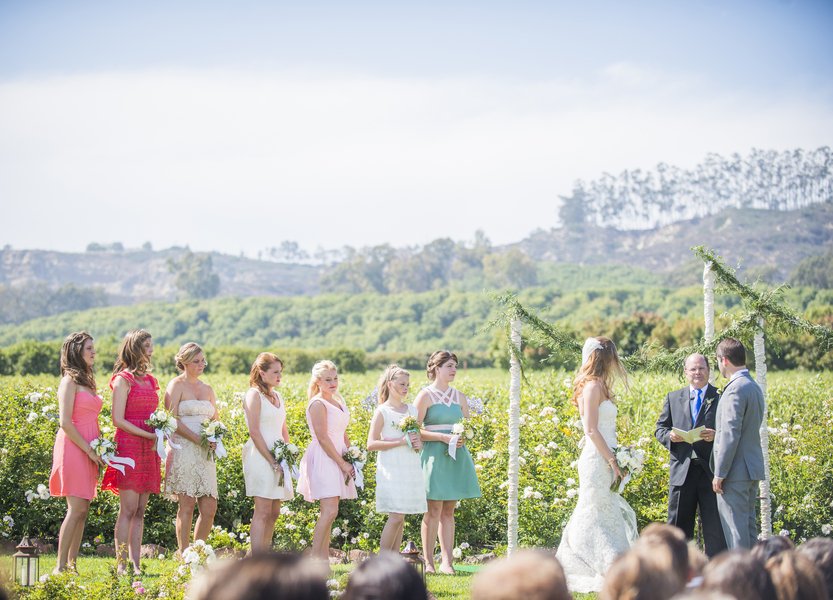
[602, 525]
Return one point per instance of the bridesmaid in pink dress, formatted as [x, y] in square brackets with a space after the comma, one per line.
[323, 470]
[74, 463]
[135, 397]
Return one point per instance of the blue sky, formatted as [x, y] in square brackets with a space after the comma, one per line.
[361, 123]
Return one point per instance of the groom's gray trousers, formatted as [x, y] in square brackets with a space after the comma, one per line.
[737, 506]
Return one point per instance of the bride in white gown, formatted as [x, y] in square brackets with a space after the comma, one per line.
[602, 525]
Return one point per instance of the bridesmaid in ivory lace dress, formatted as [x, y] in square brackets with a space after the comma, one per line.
[400, 489]
[602, 525]
[191, 474]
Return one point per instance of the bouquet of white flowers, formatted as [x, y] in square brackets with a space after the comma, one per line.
[164, 424]
[459, 429]
[630, 460]
[408, 425]
[212, 431]
[356, 457]
[287, 457]
[106, 450]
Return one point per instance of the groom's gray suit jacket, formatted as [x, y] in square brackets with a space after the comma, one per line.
[737, 454]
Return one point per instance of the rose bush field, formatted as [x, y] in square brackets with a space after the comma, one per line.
[801, 454]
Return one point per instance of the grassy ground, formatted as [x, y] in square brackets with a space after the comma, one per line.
[94, 568]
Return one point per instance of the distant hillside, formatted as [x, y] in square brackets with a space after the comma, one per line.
[132, 276]
[770, 243]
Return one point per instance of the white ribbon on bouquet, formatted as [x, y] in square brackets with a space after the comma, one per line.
[118, 462]
[161, 436]
[220, 451]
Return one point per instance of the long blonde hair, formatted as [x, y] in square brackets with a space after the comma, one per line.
[391, 373]
[132, 355]
[262, 363]
[318, 370]
[72, 360]
[602, 365]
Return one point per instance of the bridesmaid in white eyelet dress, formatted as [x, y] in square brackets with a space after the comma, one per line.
[603, 525]
[400, 487]
[265, 415]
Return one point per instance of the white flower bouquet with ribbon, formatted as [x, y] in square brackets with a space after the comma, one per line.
[106, 450]
[356, 457]
[287, 457]
[459, 429]
[408, 425]
[630, 460]
[212, 432]
[164, 424]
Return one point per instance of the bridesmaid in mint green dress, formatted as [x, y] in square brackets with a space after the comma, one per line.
[447, 480]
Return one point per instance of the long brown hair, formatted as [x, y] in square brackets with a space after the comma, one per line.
[132, 353]
[262, 363]
[603, 366]
[72, 360]
[391, 373]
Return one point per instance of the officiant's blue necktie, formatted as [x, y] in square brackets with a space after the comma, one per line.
[698, 402]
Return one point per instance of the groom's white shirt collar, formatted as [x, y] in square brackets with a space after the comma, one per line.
[737, 374]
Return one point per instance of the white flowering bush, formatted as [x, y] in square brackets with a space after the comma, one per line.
[196, 556]
[801, 452]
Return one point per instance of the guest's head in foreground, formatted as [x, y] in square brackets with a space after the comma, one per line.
[668, 546]
[738, 573]
[636, 575]
[385, 577]
[262, 577]
[820, 551]
[763, 550]
[795, 577]
[528, 574]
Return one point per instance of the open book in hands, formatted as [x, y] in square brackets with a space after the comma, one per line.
[689, 436]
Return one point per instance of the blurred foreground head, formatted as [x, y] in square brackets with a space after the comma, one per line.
[263, 577]
[527, 574]
[385, 577]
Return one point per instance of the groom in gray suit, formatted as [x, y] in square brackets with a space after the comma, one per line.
[737, 458]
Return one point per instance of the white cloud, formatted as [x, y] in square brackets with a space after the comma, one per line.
[242, 160]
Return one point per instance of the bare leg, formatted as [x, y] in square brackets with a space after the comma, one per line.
[430, 524]
[263, 525]
[184, 518]
[137, 529]
[72, 529]
[323, 528]
[208, 508]
[128, 503]
[447, 536]
[392, 533]
[269, 532]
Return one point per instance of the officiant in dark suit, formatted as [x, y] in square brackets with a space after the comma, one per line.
[690, 474]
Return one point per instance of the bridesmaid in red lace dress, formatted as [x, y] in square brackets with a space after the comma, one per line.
[135, 397]
[74, 463]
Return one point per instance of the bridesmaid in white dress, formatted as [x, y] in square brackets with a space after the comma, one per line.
[190, 475]
[266, 419]
[400, 488]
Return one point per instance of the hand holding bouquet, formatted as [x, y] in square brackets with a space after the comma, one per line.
[409, 426]
[212, 432]
[164, 424]
[460, 432]
[630, 461]
[286, 456]
[106, 450]
[356, 457]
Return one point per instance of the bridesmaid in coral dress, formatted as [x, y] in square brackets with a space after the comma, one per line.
[323, 470]
[74, 463]
[135, 397]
